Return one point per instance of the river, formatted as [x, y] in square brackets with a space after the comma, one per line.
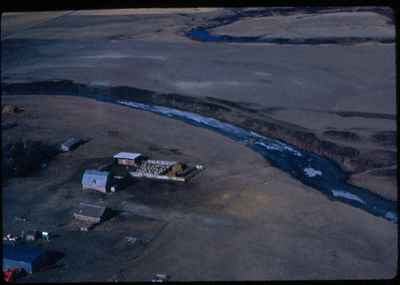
[311, 169]
[202, 33]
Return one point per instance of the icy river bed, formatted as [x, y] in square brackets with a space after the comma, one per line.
[312, 170]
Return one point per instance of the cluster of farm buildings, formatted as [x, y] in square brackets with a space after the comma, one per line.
[126, 165]
[20, 256]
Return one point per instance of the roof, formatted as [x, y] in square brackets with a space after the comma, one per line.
[90, 210]
[71, 141]
[127, 155]
[95, 178]
[21, 252]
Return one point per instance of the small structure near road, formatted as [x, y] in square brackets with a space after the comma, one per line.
[25, 257]
[70, 144]
[128, 158]
[11, 238]
[160, 278]
[96, 180]
[46, 236]
[32, 235]
[10, 109]
[90, 213]
[11, 275]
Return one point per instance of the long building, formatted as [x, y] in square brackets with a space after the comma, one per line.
[90, 213]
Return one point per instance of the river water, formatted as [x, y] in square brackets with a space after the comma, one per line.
[313, 170]
[203, 35]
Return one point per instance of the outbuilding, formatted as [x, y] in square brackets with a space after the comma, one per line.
[70, 144]
[32, 235]
[96, 180]
[90, 213]
[128, 158]
[30, 259]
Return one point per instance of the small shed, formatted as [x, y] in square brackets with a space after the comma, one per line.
[128, 158]
[30, 259]
[70, 144]
[96, 180]
[32, 235]
[90, 213]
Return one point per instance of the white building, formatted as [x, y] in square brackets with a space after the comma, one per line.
[128, 158]
[96, 180]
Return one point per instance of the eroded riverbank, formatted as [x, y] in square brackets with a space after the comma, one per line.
[238, 205]
[303, 164]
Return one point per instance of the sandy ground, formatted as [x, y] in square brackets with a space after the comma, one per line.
[239, 220]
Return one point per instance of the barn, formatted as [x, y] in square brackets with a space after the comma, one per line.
[96, 180]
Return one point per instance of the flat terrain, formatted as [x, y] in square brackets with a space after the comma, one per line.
[327, 77]
[339, 24]
[147, 49]
[240, 219]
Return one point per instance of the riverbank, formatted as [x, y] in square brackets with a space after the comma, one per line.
[352, 158]
[229, 208]
[265, 222]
